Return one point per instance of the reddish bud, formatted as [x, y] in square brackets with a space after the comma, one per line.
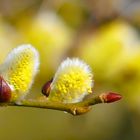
[5, 91]
[111, 97]
[47, 88]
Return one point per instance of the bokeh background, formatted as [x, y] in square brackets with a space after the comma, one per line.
[106, 35]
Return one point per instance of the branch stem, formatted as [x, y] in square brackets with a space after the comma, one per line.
[72, 108]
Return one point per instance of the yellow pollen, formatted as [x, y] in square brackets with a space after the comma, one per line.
[19, 70]
[71, 84]
[21, 73]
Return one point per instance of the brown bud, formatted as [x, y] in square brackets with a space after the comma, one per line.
[46, 88]
[5, 91]
[110, 97]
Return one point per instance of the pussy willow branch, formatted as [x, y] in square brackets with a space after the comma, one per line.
[72, 108]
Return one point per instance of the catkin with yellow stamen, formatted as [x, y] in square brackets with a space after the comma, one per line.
[72, 82]
[19, 69]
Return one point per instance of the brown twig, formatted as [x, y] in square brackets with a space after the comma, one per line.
[72, 108]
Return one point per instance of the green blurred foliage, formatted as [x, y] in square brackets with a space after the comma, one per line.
[105, 34]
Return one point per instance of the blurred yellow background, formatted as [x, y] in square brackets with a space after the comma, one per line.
[105, 34]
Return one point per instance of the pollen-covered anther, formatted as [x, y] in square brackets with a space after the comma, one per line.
[72, 82]
[19, 69]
